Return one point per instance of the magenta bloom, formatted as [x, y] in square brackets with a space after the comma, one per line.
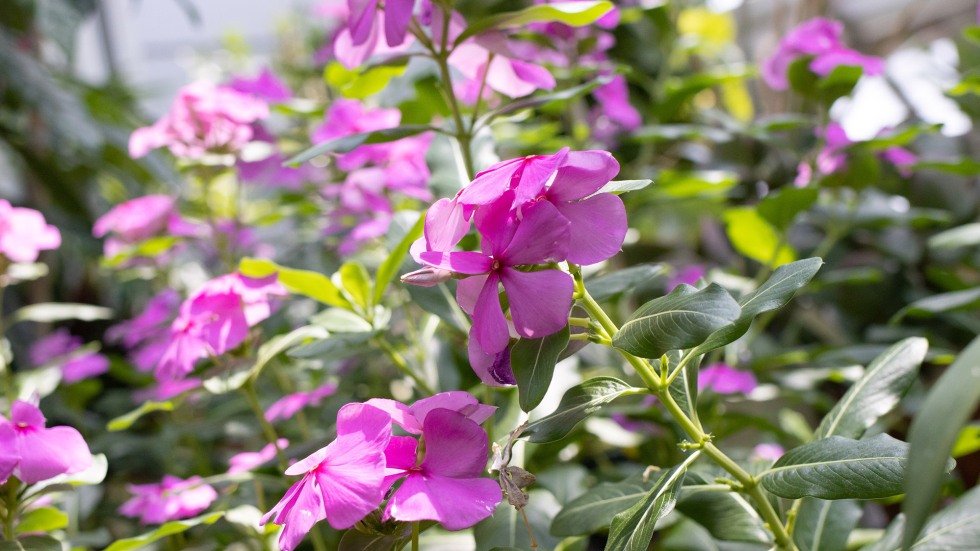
[363, 24]
[246, 461]
[266, 86]
[688, 275]
[136, 219]
[412, 418]
[171, 499]
[9, 456]
[767, 452]
[351, 54]
[722, 379]
[203, 119]
[342, 482]
[288, 405]
[24, 233]
[447, 485]
[44, 452]
[348, 116]
[145, 336]
[820, 39]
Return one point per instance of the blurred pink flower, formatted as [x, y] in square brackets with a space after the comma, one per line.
[246, 461]
[203, 119]
[288, 405]
[767, 452]
[44, 452]
[171, 499]
[9, 456]
[58, 346]
[136, 219]
[723, 379]
[265, 86]
[688, 274]
[165, 390]
[348, 116]
[145, 336]
[819, 38]
[24, 233]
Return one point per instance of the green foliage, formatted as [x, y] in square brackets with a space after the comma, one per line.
[533, 362]
[578, 403]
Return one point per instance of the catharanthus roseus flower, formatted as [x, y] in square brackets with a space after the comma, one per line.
[266, 86]
[342, 482]
[58, 348]
[723, 379]
[246, 461]
[136, 219]
[820, 39]
[203, 119]
[171, 499]
[767, 452]
[832, 157]
[412, 418]
[447, 485]
[688, 275]
[9, 457]
[349, 116]
[44, 452]
[362, 22]
[145, 336]
[288, 405]
[24, 233]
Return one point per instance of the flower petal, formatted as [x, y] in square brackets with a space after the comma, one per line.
[399, 413]
[539, 301]
[489, 324]
[456, 400]
[454, 445]
[455, 503]
[598, 227]
[541, 237]
[582, 174]
[492, 369]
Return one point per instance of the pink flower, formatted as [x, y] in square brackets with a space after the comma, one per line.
[288, 405]
[447, 485]
[412, 418]
[58, 346]
[346, 117]
[265, 86]
[342, 482]
[145, 335]
[613, 103]
[688, 275]
[24, 233]
[722, 379]
[352, 53]
[767, 452]
[203, 119]
[820, 39]
[136, 219]
[44, 452]
[362, 23]
[165, 390]
[246, 461]
[171, 499]
[9, 456]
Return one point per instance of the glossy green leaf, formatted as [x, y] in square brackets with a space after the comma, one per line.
[50, 312]
[682, 319]
[533, 362]
[632, 530]
[594, 510]
[303, 282]
[968, 441]
[506, 529]
[955, 527]
[42, 519]
[623, 186]
[347, 144]
[623, 281]
[947, 407]
[123, 422]
[728, 516]
[280, 343]
[877, 392]
[389, 268]
[781, 207]
[168, 529]
[954, 301]
[823, 525]
[840, 468]
[578, 403]
[753, 236]
[575, 14]
[360, 84]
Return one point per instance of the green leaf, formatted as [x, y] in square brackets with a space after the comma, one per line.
[962, 167]
[756, 238]
[823, 525]
[338, 320]
[682, 319]
[540, 100]
[595, 509]
[947, 407]
[352, 142]
[726, 515]
[954, 301]
[280, 343]
[123, 422]
[163, 531]
[302, 282]
[533, 362]
[781, 207]
[361, 84]
[968, 441]
[50, 312]
[840, 468]
[31, 543]
[44, 519]
[337, 346]
[506, 529]
[575, 14]
[632, 530]
[389, 268]
[967, 235]
[955, 527]
[623, 281]
[775, 293]
[578, 403]
[622, 186]
[877, 392]
[356, 281]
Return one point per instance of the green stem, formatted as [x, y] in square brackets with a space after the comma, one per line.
[317, 538]
[463, 134]
[11, 506]
[248, 389]
[403, 366]
[5, 370]
[415, 536]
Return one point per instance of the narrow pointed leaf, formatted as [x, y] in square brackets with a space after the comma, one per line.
[622, 186]
[50, 312]
[682, 319]
[540, 100]
[123, 422]
[726, 515]
[955, 527]
[933, 433]
[578, 403]
[533, 362]
[840, 468]
[356, 282]
[575, 14]
[347, 144]
[954, 301]
[595, 509]
[823, 525]
[304, 282]
[168, 529]
[280, 343]
[623, 281]
[877, 392]
[632, 530]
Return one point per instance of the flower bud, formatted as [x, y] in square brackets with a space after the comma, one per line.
[427, 277]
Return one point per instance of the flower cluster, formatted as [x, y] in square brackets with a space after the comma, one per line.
[24, 233]
[216, 319]
[832, 157]
[62, 349]
[528, 213]
[171, 499]
[820, 40]
[351, 476]
[32, 453]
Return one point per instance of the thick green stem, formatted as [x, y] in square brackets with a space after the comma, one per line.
[11, 506]
[403, 366]
[415, 536]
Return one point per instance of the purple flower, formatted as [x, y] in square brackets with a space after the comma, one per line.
[412, 418]
[44, 452]
[171, 499]
[24, 233]
[362, 22]
[767, 452]
[342, 482]
[613, 101]
[722, 379]
[57, 347]
[688, 275]
[265, 86]
[9, 456]
[203, 119]
[351, 54]
[137, 219]
[288, 405]
[447, 485]
[820, 39]
[348, 116]
[145, 336]
[246, 461]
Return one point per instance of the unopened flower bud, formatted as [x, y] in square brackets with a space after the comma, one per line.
[427, 277]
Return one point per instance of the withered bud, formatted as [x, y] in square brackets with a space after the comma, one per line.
[427, 277]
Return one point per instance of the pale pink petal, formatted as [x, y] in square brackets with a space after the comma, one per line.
[398, 412]
[468, 292]
[455, 400]
[492, 369]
